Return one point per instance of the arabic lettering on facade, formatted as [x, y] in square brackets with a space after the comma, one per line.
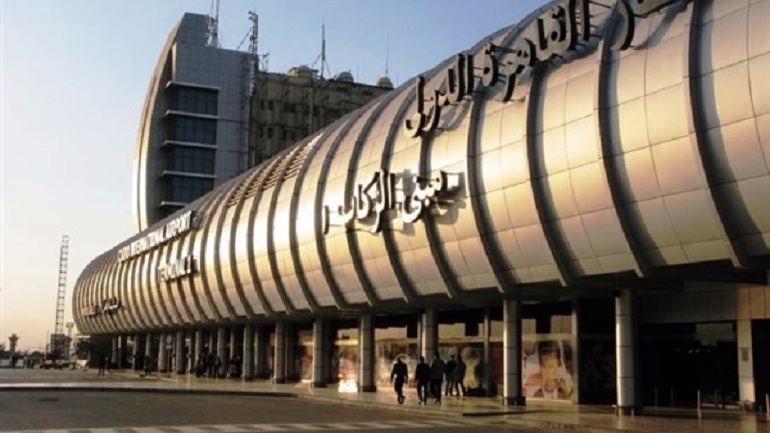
[556, 32]
[380, 194]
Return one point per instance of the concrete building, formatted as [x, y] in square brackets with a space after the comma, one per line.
[579, 206]
[288, 107]
[205, 119]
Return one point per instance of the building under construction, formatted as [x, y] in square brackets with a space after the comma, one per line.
[210, 114]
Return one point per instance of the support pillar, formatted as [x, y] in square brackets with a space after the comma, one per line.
[248, 352]
[261, 346]
[625, 341]
[320, 354]
[279, 363]
[429, 334]
[512, 354]
[745, 354]
[181, 359]
[366, 355]
[212, 346]
[162, 359]
[221, 350]
[197, 349]
[115, 353]
[135, 353]
[233, 352]
[148, 358]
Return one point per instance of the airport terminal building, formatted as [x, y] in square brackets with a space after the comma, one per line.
[578, 206]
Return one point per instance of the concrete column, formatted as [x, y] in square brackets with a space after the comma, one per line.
[746, 388]
[162, 360]
[135, 352]
[233, 352]
[512, 354]
[261, 349]
[197, 349]
[122, 351]
[115, 352]
[248, 352]
[320, 355]
[429, 334]
[279, 362]
[181, 358]
[148, 346]
[222, 350]
[366, 353]
[624, 352]
[212, 347]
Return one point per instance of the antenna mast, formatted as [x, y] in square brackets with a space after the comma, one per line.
[322, 56]
[58, 340]
[213, 29]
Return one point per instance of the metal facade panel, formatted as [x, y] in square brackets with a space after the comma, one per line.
[667, 114]
[187, 287]
[663, 146]
[759, 85]
[758, 30]
[677, 166]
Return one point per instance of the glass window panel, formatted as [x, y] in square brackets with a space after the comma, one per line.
[186, 189]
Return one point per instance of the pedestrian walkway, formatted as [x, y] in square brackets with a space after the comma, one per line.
[461, 409]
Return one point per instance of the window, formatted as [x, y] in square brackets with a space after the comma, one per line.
[190, 160]
[187, 189]
[201, 101]
[194, 130]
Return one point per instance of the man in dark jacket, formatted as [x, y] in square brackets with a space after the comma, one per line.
[437, 370]
[449, 375]
[422, 375]
[398, 376]
[459, 377]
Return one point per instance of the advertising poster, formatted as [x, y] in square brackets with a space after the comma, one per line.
[344, 363]
[547, 367]
[387, 352]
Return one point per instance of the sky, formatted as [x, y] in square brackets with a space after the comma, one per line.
[73, 78]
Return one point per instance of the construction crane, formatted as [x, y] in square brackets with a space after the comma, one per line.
[58, 339]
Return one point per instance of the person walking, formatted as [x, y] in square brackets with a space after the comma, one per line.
[102, 365]
[449, 375]
[437, 370]
[147, 365]
[398, 376]
[422, 375]
[458, 377]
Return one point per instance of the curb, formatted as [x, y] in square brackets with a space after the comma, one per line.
[148, 390]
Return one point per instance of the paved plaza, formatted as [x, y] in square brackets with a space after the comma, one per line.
[455, 410]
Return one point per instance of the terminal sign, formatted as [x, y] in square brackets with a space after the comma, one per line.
[174, 228]
[176, 269]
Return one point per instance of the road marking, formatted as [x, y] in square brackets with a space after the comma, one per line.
[277, 427]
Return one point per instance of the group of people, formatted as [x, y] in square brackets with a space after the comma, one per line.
[430, 378]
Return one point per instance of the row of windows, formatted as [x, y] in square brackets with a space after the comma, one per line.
[194, 130]
[187, 189]
[190, 159]
[300, 108]
[202, 101]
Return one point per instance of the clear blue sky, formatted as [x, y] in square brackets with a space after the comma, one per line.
[73, 79]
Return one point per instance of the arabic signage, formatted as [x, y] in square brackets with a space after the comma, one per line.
[174, 228]
[374, 198]
[553, 34]
[106, 306]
